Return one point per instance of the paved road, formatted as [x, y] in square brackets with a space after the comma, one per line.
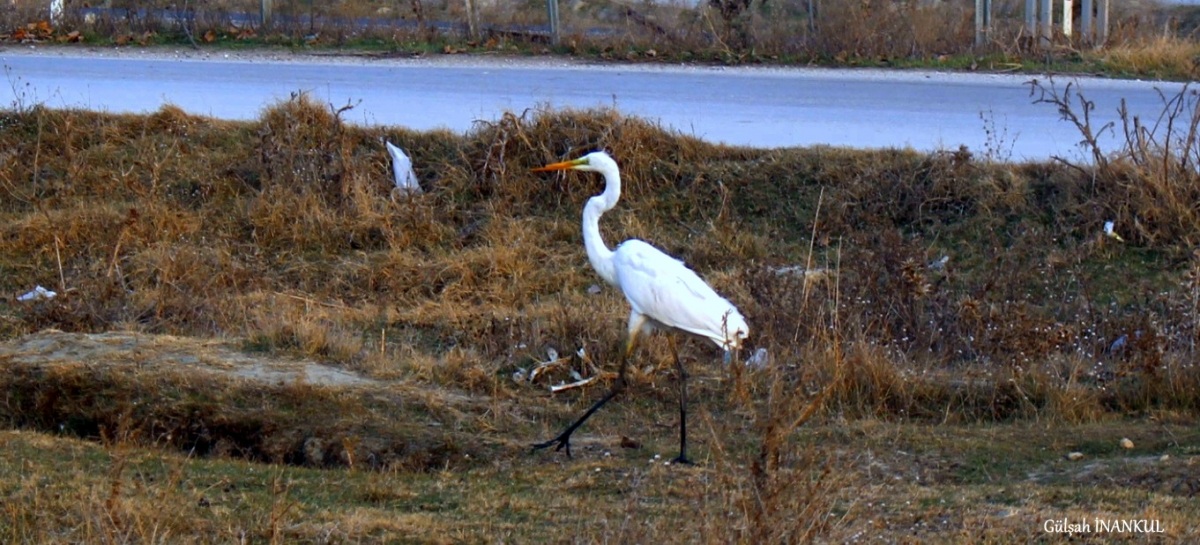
[763, 107]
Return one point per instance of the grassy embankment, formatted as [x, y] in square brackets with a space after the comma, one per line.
[908, 396]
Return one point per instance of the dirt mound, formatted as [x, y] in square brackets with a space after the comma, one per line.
[170, 353]
[206, 397]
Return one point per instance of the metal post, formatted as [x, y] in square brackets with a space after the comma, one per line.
[1067, 17]
[1086, 32]
[552, 13]
[1046, 22]
[983, 21]
[1101, 22]
[1031, 17]
[265, 12]
[472, 20]
[812, 16]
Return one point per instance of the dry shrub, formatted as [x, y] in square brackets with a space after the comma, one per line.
[1150, 182]
[876, 29]
[1158, 56]
[302, 149]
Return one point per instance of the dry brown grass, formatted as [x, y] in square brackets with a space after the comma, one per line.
[1157, 56]
[283, 234]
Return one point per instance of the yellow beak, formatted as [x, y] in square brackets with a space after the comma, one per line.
[565, 165]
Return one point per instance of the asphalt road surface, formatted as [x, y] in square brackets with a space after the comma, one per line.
[761, 107]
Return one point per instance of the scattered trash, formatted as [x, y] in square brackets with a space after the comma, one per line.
[37, 294]
[810, 276]
[1109, 232]
[556, 361]
[1126, 443]
[939, 263]
[544, 366]
[759, 360]
[402, 170]
[1118, 344]
[594, 289]
[578, 384]
[1075, 456]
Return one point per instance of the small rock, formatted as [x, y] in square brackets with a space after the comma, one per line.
[594, 289]
[1075, 456]
[314, 451]
[1126, 443]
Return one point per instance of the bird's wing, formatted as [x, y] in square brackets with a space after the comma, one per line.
[402, 170]
[671, 294]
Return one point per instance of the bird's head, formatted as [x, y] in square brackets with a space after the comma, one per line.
[596, 161]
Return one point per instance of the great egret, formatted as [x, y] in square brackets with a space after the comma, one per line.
[402, 170]
[662, 291]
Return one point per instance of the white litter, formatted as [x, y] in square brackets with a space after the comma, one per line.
[37, 294]
[759, 360]
[578, 384]
[1110, 232]
[402, 170]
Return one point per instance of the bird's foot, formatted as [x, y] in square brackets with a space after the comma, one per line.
[684, 460]
[563, 442]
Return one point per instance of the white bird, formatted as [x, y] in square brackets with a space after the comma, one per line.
[402, 170]
[662, 291]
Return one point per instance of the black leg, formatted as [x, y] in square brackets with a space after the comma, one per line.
[682, 459]
[563, 440]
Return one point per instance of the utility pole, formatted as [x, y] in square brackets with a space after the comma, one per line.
[1047, 23]
[552, 14]
[983, 21]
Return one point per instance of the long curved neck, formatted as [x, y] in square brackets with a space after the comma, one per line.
[599, 254]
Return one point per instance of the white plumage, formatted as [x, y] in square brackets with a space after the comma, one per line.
[662, 291]
[402, 170]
